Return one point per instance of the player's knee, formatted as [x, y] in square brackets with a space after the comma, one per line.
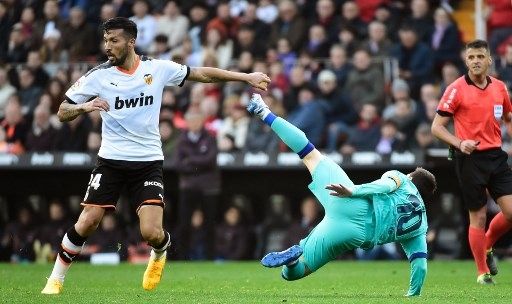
[478, 218]
[508, 216]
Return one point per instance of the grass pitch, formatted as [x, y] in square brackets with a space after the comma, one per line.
[230, 282]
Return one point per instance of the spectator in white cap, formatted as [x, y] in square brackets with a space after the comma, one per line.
[52, 51]
[341, 113]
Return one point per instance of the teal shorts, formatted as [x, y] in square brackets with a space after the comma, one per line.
[345, 224]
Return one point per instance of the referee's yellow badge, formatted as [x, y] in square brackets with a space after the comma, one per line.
[148, 79]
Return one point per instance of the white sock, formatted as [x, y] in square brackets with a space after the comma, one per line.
[157, 254]
[61, 268]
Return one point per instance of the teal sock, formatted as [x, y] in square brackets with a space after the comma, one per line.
[294, 272]
[292, 136]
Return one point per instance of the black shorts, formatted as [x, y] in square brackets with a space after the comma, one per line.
[483, 170]
[143, 181]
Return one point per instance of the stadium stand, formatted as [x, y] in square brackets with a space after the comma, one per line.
[341, 70]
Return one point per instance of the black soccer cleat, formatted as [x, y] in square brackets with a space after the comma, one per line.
[491, 262]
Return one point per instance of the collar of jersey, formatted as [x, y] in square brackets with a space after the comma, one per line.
[470, 82]
[132, 70]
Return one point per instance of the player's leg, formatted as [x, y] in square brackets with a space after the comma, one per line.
[146, 184]
[474, 196]
[71, 247]
[343, 227]
[292, 136]
[151, 219]
[477, 239]
[501, 191]
[500, 224]
[102, 193]
[497, 228]
[332, 237]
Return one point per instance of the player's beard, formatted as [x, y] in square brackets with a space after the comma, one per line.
[117, 61]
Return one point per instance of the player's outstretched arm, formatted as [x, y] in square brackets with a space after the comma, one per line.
[68, 111]
[385, 184]
[207, 74]
[416, 250]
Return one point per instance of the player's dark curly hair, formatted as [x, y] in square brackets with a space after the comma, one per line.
[129, 27]
[425, 182]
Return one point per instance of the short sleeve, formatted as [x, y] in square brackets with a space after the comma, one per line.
[174, 74]
[83, 90]
[449, 101]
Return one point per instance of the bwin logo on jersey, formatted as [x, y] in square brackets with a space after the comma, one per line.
[148, 79]
[133, 102]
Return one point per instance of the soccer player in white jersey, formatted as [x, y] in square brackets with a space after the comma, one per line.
[127, 90]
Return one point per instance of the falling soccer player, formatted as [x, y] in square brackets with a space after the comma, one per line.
[356, 216]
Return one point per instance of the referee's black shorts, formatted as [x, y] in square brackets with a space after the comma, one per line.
[483, 170]
[142, 179]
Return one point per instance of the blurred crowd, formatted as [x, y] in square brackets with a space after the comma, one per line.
[35, 235]
[354, 75]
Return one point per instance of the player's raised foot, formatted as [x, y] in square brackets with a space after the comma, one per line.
[53, 286]
[485, 279]
[276, 259]
[257, 106]
[153, 272]
[491, 262]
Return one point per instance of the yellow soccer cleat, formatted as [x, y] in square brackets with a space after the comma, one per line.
[53, 286]
[153, 272]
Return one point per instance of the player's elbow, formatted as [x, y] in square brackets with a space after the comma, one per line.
[61, 116]
[61, 113]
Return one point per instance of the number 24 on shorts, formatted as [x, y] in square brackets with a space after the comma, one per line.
[93, 182]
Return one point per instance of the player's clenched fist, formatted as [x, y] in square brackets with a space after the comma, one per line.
[467, 146]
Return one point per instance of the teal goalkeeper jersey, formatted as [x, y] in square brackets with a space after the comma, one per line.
[399, 214]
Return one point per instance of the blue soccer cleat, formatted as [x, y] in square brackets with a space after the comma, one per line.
[276, 259]
[257, 106]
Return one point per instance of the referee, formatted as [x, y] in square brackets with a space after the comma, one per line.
[477, 103]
